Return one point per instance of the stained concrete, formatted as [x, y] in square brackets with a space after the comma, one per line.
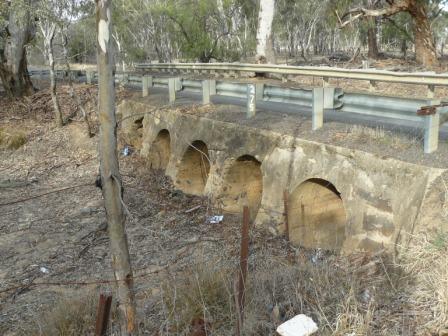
[381, 198]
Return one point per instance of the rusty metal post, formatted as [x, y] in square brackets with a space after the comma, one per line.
[102, 315]
[285, 202]
[242, 272]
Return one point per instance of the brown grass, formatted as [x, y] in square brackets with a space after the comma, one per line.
[426, 263]
[12, 138]
[68, 317]
[340, 294]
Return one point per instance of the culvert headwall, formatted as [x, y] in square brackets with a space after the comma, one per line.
[361, 201]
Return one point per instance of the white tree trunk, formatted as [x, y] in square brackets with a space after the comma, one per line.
[110, 171]
[48, 32]
[265, 50]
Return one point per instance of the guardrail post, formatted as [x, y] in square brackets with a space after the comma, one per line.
[89, 77]
[259, 91]
[432, 127]
[329, 98]
[251, 100]
[212, 87]
[318, 108]
[172, 89]
[146, 84]
[431, 91]
[325, 81]
[372, 85]
[206, 92]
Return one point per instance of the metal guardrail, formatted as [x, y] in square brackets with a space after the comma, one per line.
[318, 99]
[423, 78]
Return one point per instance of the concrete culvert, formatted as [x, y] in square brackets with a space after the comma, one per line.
[243, 185]
[194, 169]
[160, 150]
[136, 134]
[316, 215]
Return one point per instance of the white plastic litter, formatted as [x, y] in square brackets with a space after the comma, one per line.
[300, 325]
[44, 270]
[216, 219]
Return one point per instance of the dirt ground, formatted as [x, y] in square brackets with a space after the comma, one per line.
[54, 246]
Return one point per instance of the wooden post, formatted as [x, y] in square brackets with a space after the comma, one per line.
[242, 272]
[251, 101]
[112, 187]
[102, 315]
[318, 108]
[285, 203]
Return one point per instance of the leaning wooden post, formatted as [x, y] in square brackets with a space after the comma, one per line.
[110, 174]
[242, 271]
[285, 204]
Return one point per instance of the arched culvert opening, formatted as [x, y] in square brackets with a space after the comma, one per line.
[243, 185]
[160, 150]
[136, 134]
[316, 215]
[194, 169]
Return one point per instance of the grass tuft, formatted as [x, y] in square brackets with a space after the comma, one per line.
[12, 139]
[69, 317]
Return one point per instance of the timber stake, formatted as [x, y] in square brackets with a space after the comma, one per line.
[242, 272]
[102, 315]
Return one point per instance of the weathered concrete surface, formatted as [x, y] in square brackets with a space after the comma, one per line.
[381, 198]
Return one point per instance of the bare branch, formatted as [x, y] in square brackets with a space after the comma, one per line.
[357, 13]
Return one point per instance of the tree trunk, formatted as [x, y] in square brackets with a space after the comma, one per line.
[265, 50]
[72, 91]
[48, 32]
[110, 173]
[372, 39]
[425, 50]
[13, 62]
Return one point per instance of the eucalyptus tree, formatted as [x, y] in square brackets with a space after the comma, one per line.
[421, 12]
[110, 172]
[265, 49]
[49, 13]
[16, 32]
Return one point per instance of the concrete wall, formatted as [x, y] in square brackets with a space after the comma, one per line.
[382, 198]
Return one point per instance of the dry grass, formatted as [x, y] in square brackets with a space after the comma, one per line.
[69, 317]
[380, 136]
[340, 294]
[426, 262]
[202, 299]
[12, 138]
